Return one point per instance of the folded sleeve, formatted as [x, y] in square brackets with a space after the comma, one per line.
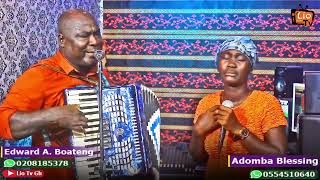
[25, 95]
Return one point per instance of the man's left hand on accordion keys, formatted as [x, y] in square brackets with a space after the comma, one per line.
[71, 117]
[68, 116]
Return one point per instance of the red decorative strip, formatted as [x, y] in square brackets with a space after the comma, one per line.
[170, 136]
[252, 22]
[282, 49]
[178, 105]
[185, 80]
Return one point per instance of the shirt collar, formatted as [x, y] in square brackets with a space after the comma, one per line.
[66, 66]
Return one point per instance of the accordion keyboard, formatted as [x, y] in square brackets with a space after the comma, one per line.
[86, 99]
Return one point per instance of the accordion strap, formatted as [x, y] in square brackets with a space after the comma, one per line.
[55, 69]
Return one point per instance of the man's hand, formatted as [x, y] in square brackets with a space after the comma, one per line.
[69, 117]
[24, 124]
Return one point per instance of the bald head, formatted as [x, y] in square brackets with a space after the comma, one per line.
[69, 17]
[79, 37]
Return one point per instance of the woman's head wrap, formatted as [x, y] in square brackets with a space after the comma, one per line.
[241, 43]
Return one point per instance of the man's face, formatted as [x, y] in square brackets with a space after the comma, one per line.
[79, 41]
[234, 67]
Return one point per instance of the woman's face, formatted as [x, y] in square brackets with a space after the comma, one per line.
[234, 67]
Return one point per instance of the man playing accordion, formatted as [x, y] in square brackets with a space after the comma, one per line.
[35, 104]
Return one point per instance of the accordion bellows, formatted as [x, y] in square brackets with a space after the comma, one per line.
[131, 134]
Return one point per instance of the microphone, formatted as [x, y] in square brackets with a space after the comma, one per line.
[229, 104]
[99, 55]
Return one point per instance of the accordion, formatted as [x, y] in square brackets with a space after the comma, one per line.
[131, 130]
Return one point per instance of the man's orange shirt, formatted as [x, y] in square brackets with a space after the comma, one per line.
[259, 113]
[41, 88]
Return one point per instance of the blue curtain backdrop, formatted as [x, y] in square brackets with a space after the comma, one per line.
[169, 46]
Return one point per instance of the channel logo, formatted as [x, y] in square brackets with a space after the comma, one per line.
[302, 16]
[9, 173]
[22, 173]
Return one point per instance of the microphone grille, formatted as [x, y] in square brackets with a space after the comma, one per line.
[227, 103]
[99, 55]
